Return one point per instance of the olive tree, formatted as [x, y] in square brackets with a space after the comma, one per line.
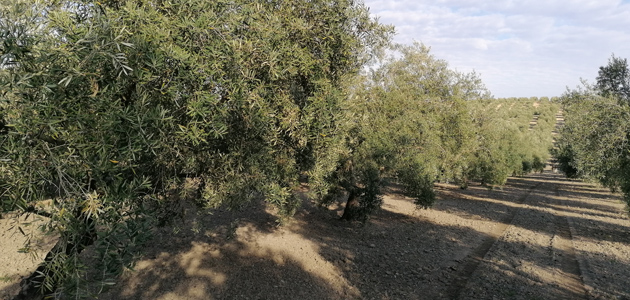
[107, 107]
[613, 79]
[594, 140]
[508, 142]
[410, 123]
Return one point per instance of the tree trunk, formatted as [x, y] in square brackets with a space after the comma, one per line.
[351, 212]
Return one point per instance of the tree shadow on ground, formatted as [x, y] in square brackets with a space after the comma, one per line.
[439, 253]
[400, 253]
[215, 255]
[8, 291]
[394, 256]
[398, 256]
[586, 204]
[537, 277]
[201, 271]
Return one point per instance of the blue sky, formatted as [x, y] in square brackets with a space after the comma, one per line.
[520, 48]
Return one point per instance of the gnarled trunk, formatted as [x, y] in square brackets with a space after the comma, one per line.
[351, 211]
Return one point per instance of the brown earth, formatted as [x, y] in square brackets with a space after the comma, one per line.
[540, 237]
[22, 247]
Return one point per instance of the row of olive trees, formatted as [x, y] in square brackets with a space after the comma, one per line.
[534, 99]
[107, 107]
[594, 141]
[416, 121]
[514, 137]
[408, 121]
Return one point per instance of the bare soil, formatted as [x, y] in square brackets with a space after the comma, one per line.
[22, 247]
[540, 237]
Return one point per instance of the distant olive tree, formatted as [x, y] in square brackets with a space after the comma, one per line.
[507, 142]
[613, 79]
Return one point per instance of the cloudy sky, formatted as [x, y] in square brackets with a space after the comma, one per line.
[520, 48]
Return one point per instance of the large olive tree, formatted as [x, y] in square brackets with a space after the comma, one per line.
[613, 79]
[106, 107]
[594, 141]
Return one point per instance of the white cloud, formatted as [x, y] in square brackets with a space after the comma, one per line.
[521, 48]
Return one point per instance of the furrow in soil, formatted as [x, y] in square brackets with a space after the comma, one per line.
[470, 264]
[533, 258]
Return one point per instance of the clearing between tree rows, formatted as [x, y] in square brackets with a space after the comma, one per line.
[540, 237]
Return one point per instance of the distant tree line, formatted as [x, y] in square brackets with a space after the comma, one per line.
[109, 108]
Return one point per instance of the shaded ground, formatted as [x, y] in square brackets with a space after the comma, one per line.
[540, 237]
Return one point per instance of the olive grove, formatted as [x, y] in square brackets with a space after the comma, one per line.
[108, 109]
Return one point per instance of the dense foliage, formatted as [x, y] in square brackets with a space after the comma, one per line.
[108, 108]
[594, 140]
[514, 137]
[613, 79]
[410, 122]
[417, 122]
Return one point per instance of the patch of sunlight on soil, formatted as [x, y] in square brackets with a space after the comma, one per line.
[285, 245]
[21, 251]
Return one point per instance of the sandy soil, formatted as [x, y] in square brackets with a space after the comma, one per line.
[22, 247]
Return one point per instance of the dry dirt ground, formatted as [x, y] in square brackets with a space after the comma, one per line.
[17, 260]
[540, 237]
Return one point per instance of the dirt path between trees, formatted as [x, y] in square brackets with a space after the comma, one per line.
[540, 237]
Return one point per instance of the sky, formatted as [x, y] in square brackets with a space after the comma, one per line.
[520, 48]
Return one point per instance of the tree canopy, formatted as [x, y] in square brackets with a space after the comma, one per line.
[594, 140]
[107, 108]
[613, 79]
